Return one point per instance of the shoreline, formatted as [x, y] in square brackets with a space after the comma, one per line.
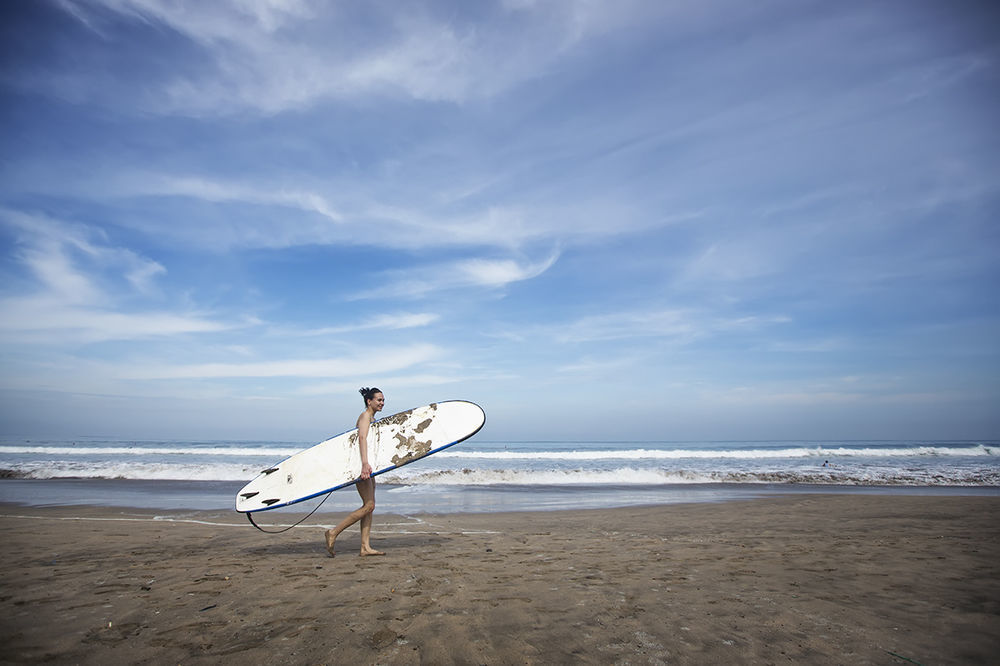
[818, 578]
[394, 498]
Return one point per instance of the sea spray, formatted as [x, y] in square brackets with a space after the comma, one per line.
[535, 464]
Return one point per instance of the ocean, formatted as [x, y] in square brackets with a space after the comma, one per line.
[477, 476]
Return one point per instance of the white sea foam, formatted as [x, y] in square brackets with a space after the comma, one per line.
[629, 476]
[618, 476]
[539, 463]
[732, 454]
[278, 453]
[229, 451]
[132, 470]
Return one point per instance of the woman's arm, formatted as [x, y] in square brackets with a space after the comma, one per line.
[364, 423]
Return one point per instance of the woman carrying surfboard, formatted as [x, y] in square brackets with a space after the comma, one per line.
[374, 402]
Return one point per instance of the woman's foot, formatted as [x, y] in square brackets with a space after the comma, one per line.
[330, 539]
[368, 552]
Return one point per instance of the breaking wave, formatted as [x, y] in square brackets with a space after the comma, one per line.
[628, 476]
[732, 454]
[536, 464]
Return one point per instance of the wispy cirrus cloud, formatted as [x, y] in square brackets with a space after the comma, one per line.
[382, 322]
[467, 273]
[57, 252]
[846, 392]
[418, 380]
[74, 283]
[602, 367]
[253, 211]
[214, 190]
[362, 364]
[44, 321]
[677, 324]
[275, 56]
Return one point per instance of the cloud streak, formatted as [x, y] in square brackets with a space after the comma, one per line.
[474, 273]
[41, 321]
[351, 366]
[383, 322]
[216, 191]
[253, 58]
[679, 325]
[80, 283]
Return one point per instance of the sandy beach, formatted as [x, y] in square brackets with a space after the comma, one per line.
[809, 579]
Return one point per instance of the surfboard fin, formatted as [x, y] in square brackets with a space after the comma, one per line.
[268, 471]
[249, 495]
[269, 502]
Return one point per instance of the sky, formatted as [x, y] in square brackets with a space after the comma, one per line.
[621, 220]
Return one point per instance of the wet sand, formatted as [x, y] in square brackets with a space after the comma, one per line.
[810, 579]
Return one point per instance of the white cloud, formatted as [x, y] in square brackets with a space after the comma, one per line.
[43, 320]
[221, 191]
[602, 367]
[679, 325]
[271, 212]
[55, 253]
[397, 382]
[499, 272]
[481, 273]
[351, 366]
[810, 395]
[272, 56]
[80, 281]
[237, 22]
[57, 273]
[391, 322]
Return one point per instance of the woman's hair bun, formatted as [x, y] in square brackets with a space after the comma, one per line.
[368, 393]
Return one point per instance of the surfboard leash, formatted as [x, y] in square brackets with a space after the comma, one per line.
[285, 529]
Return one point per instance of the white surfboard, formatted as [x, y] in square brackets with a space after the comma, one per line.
[393, 441]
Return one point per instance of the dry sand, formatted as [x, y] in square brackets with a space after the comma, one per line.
[816, 579]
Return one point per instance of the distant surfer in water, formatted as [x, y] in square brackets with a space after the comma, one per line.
[374, 401]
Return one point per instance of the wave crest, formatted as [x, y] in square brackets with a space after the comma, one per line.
[725, 454]
[627, 476]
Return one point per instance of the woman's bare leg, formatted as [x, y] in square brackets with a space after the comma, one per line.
[331, 535]
[366, 489]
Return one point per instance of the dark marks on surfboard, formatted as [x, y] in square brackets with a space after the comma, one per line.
[423, 425]
[413, 448]
[396, 419]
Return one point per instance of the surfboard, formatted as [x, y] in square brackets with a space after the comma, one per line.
[335, 463]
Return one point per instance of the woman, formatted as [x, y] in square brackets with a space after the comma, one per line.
[374, 401]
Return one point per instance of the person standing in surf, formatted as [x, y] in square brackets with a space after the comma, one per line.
[374, 402]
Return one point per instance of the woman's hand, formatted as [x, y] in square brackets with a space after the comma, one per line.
[366, 471]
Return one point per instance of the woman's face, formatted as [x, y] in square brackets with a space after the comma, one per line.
[377, 402]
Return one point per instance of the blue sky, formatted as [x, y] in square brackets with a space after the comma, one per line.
[600, 220]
